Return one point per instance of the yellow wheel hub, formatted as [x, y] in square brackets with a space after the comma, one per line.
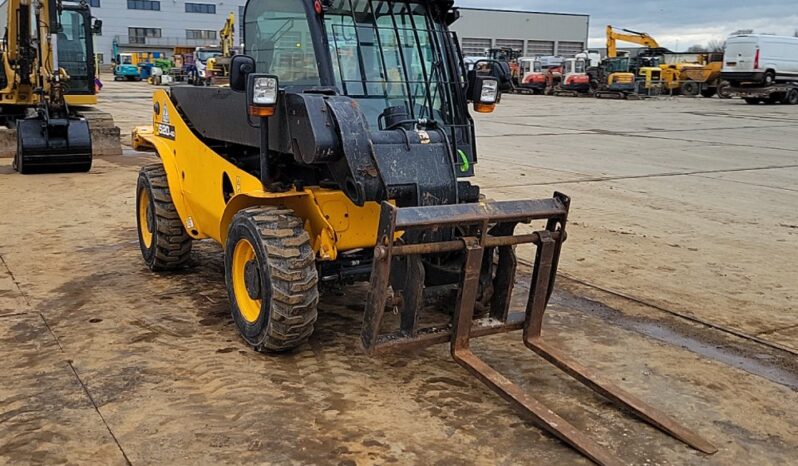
[247, 281]
[146, 220]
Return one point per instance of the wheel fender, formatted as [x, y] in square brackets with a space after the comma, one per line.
[304, 203]
[165, 148]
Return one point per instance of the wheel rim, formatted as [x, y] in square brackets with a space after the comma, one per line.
[145, 218]
[246, 281]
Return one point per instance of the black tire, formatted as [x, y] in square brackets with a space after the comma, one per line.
[752, 101]
[709, 92]
[790, 98]
[724, 90]
[163, 241]
[770, 78]
[271, 278]
[690, 88]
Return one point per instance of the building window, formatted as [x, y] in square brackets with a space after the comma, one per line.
[94, 3]
[140, 35]
[200, 8]
[200, 34]
[143, 5]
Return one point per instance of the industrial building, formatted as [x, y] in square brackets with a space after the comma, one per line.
[533, 33]
[151, 25]
[160, 26]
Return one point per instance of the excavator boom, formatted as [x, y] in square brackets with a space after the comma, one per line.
[634, 37]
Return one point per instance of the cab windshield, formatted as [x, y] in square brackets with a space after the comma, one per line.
[72, 54]
[389, 54]
[384, 53]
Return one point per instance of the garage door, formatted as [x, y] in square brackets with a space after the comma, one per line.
[515, 44]
[539, 48]
[475, 47]
[569, 49]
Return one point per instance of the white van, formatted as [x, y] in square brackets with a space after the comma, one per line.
[760, 59]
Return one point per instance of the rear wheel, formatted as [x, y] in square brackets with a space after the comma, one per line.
[163, 241]
[791, 97]
[709, 92]
[271, 277]
[724, 90]
[770, 78]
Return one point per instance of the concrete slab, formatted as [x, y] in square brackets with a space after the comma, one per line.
[161, 359]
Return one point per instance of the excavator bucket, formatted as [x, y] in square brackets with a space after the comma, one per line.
[489, 237]
[53, 145]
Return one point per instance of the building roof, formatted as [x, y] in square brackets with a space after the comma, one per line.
[499, 10]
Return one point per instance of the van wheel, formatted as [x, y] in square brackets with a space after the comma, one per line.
[770, 78]
[752, 101]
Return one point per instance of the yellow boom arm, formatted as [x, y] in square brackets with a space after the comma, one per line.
[640, 38]
[227, 35]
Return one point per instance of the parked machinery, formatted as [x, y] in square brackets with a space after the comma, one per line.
[573, 78]
[47, 70]
[509, 58]
[356, 168]
[634, 37]
[612, 79]
[218, 67]
[533, 78]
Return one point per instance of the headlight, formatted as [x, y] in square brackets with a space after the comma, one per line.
[264, 91]
[490, 91]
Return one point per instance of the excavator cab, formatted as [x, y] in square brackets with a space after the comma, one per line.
[343, 151]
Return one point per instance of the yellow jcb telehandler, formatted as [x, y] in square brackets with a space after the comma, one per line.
[341, 152]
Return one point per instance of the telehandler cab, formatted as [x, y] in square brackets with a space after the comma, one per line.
[341, 152]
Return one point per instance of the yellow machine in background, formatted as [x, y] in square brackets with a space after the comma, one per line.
[218, 70]
[634, 37]
[47, 70]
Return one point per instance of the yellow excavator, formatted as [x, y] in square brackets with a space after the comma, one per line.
[634, 37]
[47, 70]
[218, 70]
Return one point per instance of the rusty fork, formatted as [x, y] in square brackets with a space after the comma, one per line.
[503, 216]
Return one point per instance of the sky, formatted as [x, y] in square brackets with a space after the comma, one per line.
[675, 24]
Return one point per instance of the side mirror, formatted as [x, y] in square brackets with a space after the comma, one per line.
[240, 68]
[97, 27]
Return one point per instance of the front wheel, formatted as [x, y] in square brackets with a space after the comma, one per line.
[271, 278]
[691, 88]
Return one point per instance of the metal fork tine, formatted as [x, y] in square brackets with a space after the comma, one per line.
[521, 401]
[612, 392]
[532, 329]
